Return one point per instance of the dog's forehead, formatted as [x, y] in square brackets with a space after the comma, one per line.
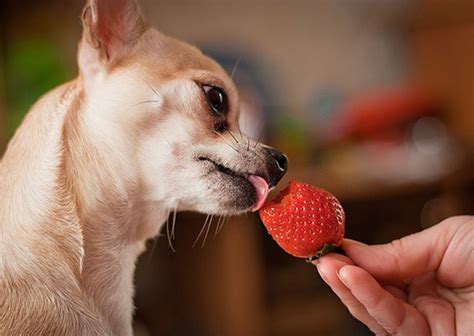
[164, 55]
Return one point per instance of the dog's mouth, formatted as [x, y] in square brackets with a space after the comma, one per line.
[259, 184]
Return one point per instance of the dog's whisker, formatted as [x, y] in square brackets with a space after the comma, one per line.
[207, 231]
[259, 139]
[151, 88]
[168, 235]
[152, 250]
[202, 230]
[155, 240]
[257, 126]
[173, 226]
[234, 69]
[146, 102]
[232, 135]
[244, 125]
[254, 150]
[227, 143]
[221, 225]
[218, 224]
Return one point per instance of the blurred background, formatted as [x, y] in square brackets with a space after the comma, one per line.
[372, 100]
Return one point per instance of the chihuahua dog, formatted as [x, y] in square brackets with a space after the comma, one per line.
[149, 125]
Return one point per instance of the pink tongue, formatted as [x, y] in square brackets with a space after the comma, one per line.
[261, 187]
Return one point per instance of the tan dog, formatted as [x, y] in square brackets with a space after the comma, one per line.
[149, 126]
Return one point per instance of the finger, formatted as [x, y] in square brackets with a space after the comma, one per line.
[398, 262]
[328, 267]
[394, 315]
[396, 292]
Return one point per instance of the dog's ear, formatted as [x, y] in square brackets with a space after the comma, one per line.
[110, 28]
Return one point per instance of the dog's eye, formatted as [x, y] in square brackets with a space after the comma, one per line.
[216, 98]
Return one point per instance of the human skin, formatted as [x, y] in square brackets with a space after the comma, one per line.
[422, 284]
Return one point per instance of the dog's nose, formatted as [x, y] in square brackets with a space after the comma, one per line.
[281, 159]
[278, 166]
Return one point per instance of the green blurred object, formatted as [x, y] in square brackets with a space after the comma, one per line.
[32, 67]
[293, 137]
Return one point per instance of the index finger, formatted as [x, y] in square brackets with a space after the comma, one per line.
[395, 316]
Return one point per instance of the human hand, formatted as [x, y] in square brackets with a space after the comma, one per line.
[422, 284]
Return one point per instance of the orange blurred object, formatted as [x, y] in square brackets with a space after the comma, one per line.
[380, 112]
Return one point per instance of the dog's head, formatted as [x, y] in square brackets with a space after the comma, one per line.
[175, 113]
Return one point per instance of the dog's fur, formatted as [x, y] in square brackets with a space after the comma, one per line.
[98, 164]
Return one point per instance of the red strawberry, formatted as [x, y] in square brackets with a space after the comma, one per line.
[304, 220]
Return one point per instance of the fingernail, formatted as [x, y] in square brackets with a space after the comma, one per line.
[320, 273]
[316, 263]
[342, 275]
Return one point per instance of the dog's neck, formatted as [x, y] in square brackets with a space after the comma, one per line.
[114, 219]
[71, 201]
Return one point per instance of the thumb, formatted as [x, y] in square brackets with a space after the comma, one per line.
[430, 250]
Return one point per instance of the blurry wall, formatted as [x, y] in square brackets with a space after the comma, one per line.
[303, 45]
[442, 53]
